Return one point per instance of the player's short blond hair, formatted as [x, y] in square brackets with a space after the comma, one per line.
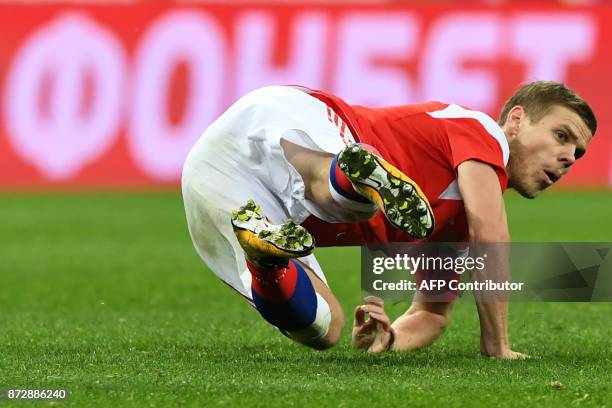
[537, 98]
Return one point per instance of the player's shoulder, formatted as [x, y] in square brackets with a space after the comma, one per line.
[455, 112]
[472, 124]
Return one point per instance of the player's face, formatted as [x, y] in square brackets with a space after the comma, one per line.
[542, 152]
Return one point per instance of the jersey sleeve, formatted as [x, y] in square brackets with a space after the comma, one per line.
[470, 140]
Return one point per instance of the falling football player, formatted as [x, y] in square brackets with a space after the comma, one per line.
[286, 167]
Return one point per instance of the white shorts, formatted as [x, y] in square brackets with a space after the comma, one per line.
[239, 157]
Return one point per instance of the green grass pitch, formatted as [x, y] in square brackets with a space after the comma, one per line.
[103, 295]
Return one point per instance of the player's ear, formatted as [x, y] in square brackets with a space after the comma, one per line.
[513, 121]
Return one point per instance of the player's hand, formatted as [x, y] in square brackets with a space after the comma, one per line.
[372, 329]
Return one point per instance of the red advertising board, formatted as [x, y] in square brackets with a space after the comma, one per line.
[115, 95]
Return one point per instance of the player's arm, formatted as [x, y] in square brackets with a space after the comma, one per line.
[486, 215]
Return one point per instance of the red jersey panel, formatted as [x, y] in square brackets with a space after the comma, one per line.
[426, 142]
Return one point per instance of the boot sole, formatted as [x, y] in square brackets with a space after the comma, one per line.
[261, 238]
[400, 198]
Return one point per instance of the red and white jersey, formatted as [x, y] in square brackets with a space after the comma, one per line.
[427, 142]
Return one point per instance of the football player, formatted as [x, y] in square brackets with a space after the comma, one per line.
[286, 166]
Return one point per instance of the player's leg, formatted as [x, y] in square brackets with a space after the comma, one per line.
[314, 168]
[350, 183]
[421, 324]
[286, 292]
[239, 157]
[336, 323]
